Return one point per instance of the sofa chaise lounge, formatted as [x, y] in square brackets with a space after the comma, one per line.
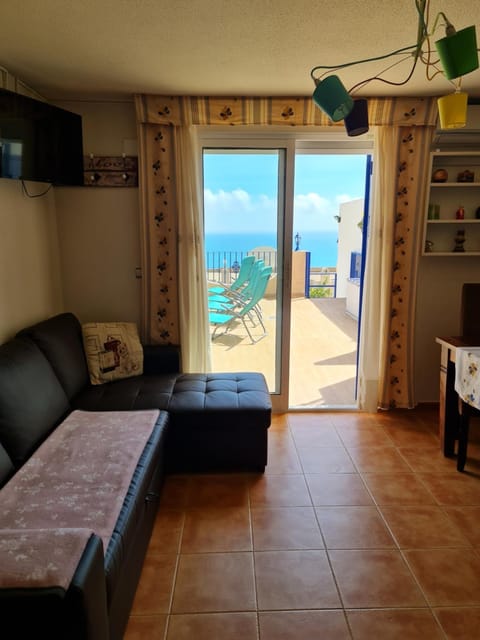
[188, 422]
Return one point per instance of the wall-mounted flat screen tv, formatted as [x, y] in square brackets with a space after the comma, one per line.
[39, 141]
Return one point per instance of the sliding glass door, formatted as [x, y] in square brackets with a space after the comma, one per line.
[248, 224]
[299, 333]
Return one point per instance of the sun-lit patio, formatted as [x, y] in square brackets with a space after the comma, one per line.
[322, 352]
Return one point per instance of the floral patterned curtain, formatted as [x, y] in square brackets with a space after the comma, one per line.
[157, 115]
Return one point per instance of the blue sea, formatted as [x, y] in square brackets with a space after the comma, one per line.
[321, 244]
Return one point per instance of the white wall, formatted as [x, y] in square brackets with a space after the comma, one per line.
[75, 248]
[30, 282]
[349, 239]
[439, 290]
[99, 226]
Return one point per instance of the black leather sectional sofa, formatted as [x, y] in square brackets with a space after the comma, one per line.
[207, 422]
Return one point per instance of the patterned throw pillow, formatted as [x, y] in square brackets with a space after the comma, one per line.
[113, 351]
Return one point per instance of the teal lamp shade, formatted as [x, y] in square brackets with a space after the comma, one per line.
[458, 53]
[356, 123]
[332, 98]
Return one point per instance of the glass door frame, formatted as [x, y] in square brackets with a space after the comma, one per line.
[292, 140]
[222, 139]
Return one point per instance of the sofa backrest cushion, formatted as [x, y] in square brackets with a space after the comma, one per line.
[32, 400]
[60, 340]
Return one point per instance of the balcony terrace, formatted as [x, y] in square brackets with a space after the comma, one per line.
[323, 342]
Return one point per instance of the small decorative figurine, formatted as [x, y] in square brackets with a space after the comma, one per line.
[440, 175]
[460, 213]
[465, 176]
[459, 242]
[428, 246]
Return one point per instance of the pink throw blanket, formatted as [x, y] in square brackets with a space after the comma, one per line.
[77, 479]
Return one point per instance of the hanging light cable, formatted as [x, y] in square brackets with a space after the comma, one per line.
[458, 55]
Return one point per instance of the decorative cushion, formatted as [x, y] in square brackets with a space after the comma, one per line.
[113, 351]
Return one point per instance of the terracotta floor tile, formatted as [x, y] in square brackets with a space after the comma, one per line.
[316, 437]
[279, 491]
[219, 491]
[406, 419]
[428, 458]
[214, 582]
[358, 436]
[303, 625]
[371, 459]
[142, 627]
[336, 489]
[310, 420]
[411, 436]
[306, 435]
[448, 577]
[209, 626]
[325, 460]
[285, 528]
[423, 527]
[353, 528]
[279, 422]
[374, 578]
[354, 419]
[175, 492]
[217, 529]
[284, 589]
[154, 590]
[167, 531]
[453, 489]
[282, 454]
[394, 624]
[467, 519]
[459, 624]
[397, 489]
[294, 580]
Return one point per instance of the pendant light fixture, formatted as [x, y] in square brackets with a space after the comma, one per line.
[458, 55]
[452, 110]
[332, 98]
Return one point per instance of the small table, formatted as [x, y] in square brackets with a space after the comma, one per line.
[449, 410]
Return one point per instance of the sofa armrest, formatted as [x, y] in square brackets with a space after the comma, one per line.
[80, 613]
[161, 358]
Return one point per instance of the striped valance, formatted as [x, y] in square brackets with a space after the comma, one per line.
[294, 111]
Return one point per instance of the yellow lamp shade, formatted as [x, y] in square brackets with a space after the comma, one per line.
[452, 110]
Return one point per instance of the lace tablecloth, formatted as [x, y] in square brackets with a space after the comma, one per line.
[467, 375]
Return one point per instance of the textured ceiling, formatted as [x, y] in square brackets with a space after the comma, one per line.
[114, 48]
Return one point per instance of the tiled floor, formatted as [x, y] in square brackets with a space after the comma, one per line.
[359, 529]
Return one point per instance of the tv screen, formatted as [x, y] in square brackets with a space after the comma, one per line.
[39, 141]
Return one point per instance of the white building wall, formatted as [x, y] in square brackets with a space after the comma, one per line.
[349, 239]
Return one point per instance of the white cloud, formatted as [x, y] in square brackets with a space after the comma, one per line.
[238, 211]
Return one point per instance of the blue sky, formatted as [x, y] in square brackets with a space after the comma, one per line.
[240, 190]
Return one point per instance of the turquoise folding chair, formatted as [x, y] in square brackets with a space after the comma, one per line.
[243, 294]
[242, 278]
[239, 299]
[226, 317]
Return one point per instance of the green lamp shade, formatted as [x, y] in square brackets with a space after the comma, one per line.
[452, 110]
[332, 98]
[458, 53]
[356, 123]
